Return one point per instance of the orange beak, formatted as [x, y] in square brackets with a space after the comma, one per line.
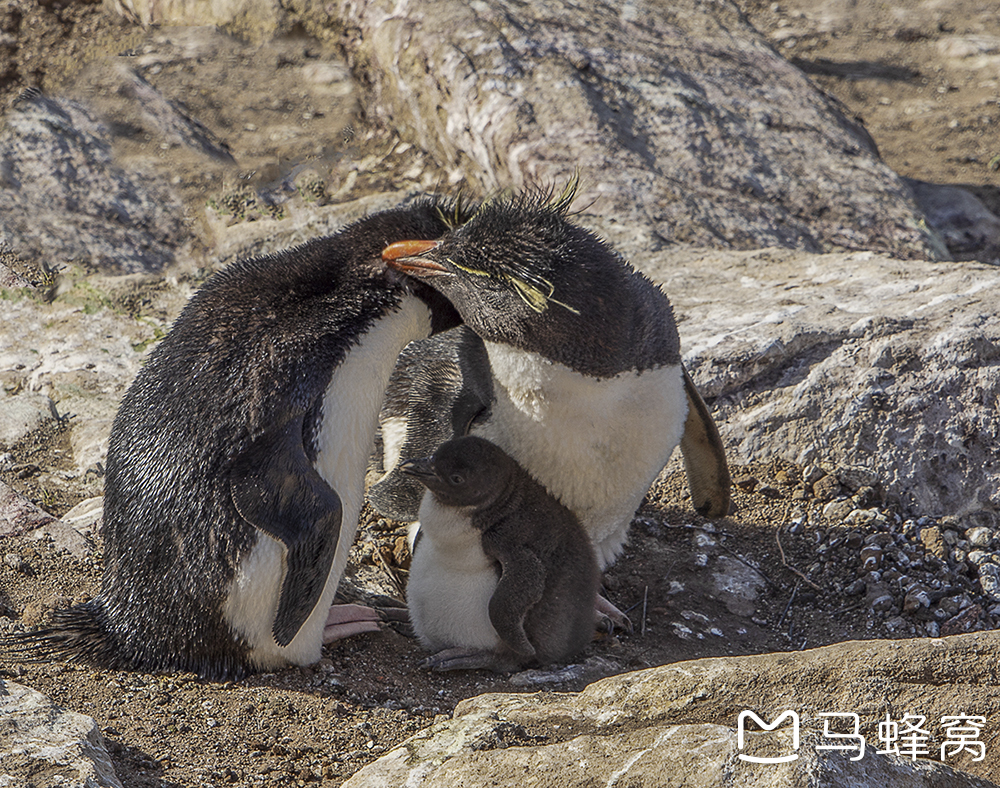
[402, 255]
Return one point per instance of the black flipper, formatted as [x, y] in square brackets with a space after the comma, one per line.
[704, 457]
[521, 585]
[441, 386]
[276, 489]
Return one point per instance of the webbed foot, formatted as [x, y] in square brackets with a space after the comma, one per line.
[346, 620]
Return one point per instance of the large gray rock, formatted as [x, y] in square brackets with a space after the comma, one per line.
[682, 123]
[851, 359]
[678, 724]
[44, 745]
[64, 199]
[23, 413]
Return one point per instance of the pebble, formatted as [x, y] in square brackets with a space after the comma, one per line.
[916, 599]
[812, 474]
[861, 517]
[855, 477]
[836, 511]
[826, 487]
[15, 562]
[931, 537]
[871, 558]
[989, 579]
[980, 536]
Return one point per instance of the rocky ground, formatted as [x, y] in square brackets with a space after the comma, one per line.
[811, 556]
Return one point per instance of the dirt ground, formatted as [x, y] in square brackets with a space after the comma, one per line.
[777, 575]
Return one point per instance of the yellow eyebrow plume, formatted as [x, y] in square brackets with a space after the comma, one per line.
[535, 298]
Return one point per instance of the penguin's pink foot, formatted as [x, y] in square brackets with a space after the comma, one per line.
[608, 618]
[346, 620]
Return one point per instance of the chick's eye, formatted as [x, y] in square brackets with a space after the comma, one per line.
[456, 479]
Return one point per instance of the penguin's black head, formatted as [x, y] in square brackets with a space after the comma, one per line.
[520, 273]
[467, 471]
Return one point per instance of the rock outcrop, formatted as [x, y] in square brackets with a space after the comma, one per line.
[63, 198]
[853, 359]
[42, 744]
[684, 125]
[681, 121]
[679, 724]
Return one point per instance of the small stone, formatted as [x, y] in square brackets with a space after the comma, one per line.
[963, 622]
[915, 599]
[836, 511]
[989, 579]
[883, 603]
[15, 562]
[826, 488]
[855, 588]
[745, 483]
[855, 477]
[812, 474]
[933, 629]
[980, 557]
[980, 536]
[871, 558]
[931, 537]
[786, 477]
[862, 517]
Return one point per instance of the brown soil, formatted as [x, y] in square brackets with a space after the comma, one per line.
[931, 119]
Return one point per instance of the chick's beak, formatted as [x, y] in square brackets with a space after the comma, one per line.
[404, 256]
[421, 469]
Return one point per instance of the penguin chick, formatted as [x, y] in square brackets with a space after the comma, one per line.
[441, 386]
[235, 470]
[502, 575]
[590, 396]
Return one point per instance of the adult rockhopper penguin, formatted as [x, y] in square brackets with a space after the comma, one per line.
[236, 464]
[590, 396]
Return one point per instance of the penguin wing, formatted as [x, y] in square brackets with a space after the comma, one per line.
[276, 489]
[521, 585]
[704, 456]
[441, 386]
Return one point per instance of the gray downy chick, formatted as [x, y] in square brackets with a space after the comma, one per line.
[503, 575]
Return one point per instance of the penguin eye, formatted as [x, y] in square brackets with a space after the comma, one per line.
[456, 479]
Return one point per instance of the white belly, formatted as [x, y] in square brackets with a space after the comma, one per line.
[597, 444]
[351, 406]
[451, 582]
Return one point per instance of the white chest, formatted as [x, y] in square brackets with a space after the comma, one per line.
[451, 582]
[350, 415]
[597, 444]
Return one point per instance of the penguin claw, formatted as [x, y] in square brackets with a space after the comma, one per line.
[346, 620]
[393, 614]
[465, 659]
[608, 618]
